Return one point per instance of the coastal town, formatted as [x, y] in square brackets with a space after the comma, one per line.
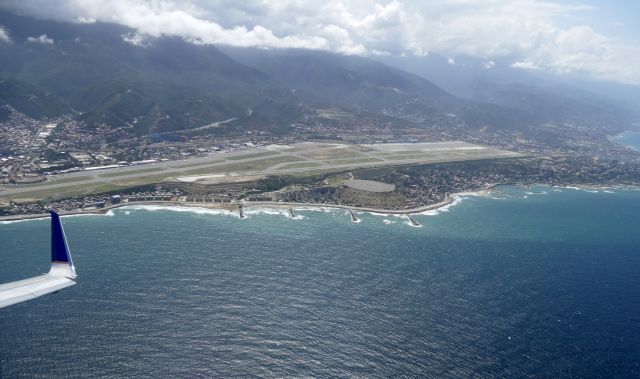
[319, 189]
[414, 187]
[38, 151]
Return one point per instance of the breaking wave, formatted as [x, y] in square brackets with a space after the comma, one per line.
[457, 199]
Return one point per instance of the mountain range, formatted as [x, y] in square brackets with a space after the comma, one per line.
[102, 75]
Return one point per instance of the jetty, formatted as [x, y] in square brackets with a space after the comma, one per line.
[291, 214]
[413, 220]
[241, 211]
[354, 218]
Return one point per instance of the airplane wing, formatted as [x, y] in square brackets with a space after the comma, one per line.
[60, 275]
[23, 290]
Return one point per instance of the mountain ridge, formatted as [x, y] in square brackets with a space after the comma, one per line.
[168, 84]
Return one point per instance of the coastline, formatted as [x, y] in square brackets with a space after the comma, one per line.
[244, 204]
[621, 139]
[232, 207]
[450, 199]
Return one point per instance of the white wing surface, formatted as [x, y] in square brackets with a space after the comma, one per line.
[23, 290]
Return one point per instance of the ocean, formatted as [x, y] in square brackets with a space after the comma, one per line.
[630, 139]
[539, 282]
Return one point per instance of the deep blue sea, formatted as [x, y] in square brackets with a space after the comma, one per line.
[541, 282]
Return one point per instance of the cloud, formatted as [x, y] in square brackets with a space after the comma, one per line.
[43, 39]
[4, 35]
[162, 18]
[525, 33]
[451, 61]
[135, 39]
[580, 50]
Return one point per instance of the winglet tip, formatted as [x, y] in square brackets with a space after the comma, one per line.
[61, 261]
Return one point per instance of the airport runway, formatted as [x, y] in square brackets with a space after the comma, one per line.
[269, 160]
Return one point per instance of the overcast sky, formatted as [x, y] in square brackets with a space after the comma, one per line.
[600, 39]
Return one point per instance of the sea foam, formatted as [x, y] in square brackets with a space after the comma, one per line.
[272, 211]
[6, 222]
[109, 213]
[457, 199]
[176, 208]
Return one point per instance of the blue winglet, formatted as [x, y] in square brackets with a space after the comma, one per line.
[61, 262]
[59, 247]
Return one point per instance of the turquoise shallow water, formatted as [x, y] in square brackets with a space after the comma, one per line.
[540, 282]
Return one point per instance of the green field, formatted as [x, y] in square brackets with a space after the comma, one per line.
[61, 180]
[300, 165]
[133, 172]
[249, 156]
[331, 154]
